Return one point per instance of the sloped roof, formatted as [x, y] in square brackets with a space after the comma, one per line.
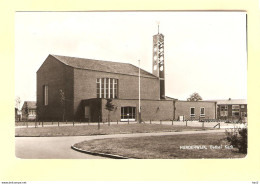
[170, 98]
[231, 101]
[103, 66]
[30, 104]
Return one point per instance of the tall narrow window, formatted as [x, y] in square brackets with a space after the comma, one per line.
[111, 88]
[202, 112]
[107, 86]
[192, 112]
[45, 95]
[115, 88]
[98, 88]
[102, 88]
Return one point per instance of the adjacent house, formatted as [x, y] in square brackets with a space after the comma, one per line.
[232, 109]
[29, 110]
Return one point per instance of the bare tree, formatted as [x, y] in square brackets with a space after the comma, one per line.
[26, 110]
[17, 102]
[38, 111]
[62, 103]
[194, 97]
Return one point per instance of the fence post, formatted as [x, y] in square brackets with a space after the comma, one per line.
[186, 123]
[116, 121]
[73, 122]
[172, 121]
[42, 123]
[160, 122]
[150, 121]
[99, 119]
[58, 123]
[219, 125]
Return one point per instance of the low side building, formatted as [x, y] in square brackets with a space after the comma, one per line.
[187, 110]
[125, 109]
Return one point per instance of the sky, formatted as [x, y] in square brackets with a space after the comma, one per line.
[205, 52]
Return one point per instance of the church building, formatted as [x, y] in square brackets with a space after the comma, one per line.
[73, 88]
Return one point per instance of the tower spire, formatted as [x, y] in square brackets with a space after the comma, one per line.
[158, 23]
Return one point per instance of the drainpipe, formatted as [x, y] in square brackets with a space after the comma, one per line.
[174, 109]
[215, 110]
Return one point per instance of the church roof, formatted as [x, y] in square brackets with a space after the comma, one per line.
[103, 66]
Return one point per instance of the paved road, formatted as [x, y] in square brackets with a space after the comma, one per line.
[50, 148]
[59, 147]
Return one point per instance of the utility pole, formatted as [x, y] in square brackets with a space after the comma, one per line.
[139, 106]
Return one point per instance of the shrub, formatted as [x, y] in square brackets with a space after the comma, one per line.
[238, 138]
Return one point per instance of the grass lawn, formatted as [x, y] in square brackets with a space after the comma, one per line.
[81, 130]
[165, 147]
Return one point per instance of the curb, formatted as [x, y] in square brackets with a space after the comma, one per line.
[99, 154]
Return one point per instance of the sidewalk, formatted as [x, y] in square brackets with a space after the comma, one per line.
[223, 125]
[152, 134]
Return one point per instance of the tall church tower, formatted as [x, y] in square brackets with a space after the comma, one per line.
[158, 61]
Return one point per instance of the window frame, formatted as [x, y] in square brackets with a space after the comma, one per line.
[45, 95]
[192, 115]
[202, 115]
[131, 110]
[235, 110]
[107, 87]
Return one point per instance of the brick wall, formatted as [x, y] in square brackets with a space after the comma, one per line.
[182, 108]
[150, 109]
[57, 76]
